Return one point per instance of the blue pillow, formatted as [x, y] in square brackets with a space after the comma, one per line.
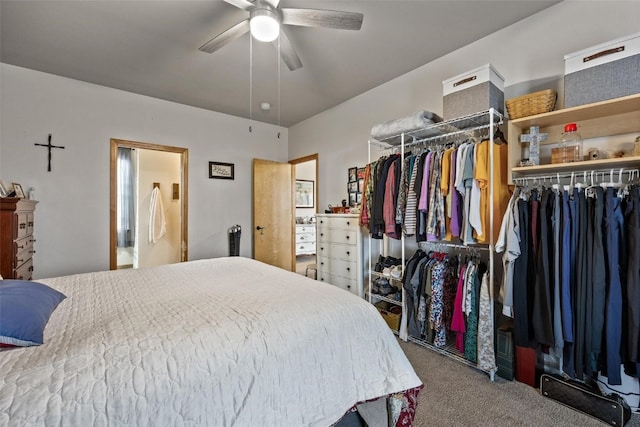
[25, 308]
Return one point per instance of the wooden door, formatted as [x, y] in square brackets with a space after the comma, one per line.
[273, 213]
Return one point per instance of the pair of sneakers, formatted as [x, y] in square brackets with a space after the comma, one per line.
[394, 272]
[386, 262]
[382, 287]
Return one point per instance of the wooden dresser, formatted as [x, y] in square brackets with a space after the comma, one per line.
[340, 255]
[16, 238]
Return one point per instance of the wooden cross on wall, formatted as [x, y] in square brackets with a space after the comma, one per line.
[49, 146]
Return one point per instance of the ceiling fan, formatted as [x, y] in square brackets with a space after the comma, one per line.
[264, 24]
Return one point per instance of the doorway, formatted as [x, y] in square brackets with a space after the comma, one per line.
[306, 176]
[148, 212]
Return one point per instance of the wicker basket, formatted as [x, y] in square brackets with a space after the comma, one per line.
[532, 103]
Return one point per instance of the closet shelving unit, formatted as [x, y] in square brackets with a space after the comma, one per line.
[438, 133]
[600, 119]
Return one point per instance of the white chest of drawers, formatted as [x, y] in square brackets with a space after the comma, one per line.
[339, 251]
[305, 239]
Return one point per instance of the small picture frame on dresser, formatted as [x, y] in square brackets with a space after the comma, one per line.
[18, 190]
[3, 190]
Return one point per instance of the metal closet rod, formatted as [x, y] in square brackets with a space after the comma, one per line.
[586, 176]
[446, 128]
[453, 136]
[447, 245]
[456, 136]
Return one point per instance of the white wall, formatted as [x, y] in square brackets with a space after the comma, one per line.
[72, 217]
[529, 54]
[164, 168]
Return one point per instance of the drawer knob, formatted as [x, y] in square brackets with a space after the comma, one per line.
[348, 253]
[321, 234]
[348, 286]
[301, 237]
[348, 268]
[348, 223]
[20, 261]
[30, 223]
[347, 237]
[21, 247]
[33, 252]
[31, 268]
[23, 225]
[322, 263]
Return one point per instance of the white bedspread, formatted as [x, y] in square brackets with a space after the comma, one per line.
[222, 342]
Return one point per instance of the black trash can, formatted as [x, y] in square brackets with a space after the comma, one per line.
[234, 240]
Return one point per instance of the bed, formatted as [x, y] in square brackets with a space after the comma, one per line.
[220, 342]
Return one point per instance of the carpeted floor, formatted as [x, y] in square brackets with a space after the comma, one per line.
[457, 395]
[302, 262]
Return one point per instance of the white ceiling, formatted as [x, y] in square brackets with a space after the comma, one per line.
[151, 48]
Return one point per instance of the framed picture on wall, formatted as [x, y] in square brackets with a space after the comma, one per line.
[353, 187]
[304, 193]
[353, 174]
[353, 199]
[221, 170]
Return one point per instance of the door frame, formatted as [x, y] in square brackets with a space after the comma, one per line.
[309, 158]
[113, 202]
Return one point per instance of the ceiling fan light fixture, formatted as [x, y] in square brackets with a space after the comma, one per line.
[264, 25]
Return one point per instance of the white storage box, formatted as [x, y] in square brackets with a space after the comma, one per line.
[605, 71]
[472, 92]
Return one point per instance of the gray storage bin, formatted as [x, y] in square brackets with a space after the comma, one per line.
[605, 71]
[474, 91]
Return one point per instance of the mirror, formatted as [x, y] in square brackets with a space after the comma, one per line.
[148, 206]
[306, 191]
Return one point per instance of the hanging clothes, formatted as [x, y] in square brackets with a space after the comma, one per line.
[458, 324]
[500, 177]
[542, 319]
[486, 353]
[366, 196]
[157, 222]
[575, 282]
[437, 195]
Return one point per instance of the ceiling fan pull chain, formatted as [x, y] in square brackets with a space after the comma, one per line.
[250, 82]
[278, 62]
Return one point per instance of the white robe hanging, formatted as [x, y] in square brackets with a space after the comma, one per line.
[157, 222]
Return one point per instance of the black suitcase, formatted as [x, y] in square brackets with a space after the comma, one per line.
[587, 399]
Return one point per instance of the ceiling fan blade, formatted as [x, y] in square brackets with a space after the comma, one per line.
[242, 4]
[322, 18]
[273, 3]
[240, 29]
[287, 52]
